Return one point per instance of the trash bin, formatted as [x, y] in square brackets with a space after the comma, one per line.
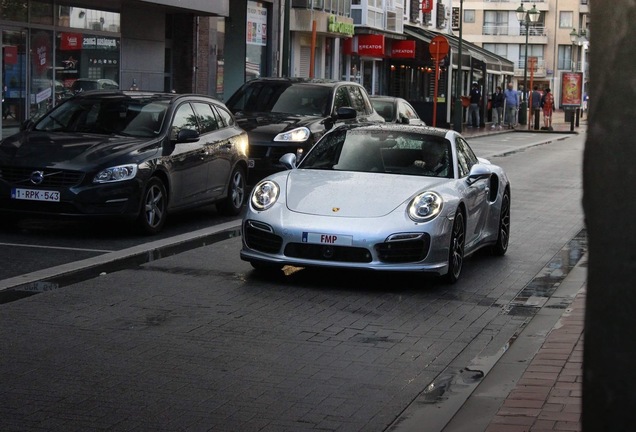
[569, 115]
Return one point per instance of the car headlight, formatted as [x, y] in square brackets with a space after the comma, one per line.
[264, 195]
[425, 206]
[300, 134]
[116, 173]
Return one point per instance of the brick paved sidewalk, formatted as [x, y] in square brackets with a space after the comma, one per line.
[548, 397]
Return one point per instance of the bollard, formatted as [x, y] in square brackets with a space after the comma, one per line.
[578, 111]
[537, 116]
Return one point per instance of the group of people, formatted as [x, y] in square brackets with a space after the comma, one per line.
[505, 106]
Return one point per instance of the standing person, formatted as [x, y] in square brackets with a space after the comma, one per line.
[535, 105]
[475, 100]
[547, 104]
[497, 108]
[511, 97]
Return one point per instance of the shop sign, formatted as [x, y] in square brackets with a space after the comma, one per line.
[10, 54]
[98, 42]
[256, 31]
[70, 41]
[335, 26]
[403, 49]
[427, 6]
[371, 45]
[347, 46]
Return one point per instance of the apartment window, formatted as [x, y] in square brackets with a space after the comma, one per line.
[497, 48]
[566, 19]
[469, 15]
[533, 51]
[564, 61]
[495, 23]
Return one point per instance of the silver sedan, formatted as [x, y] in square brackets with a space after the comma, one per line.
[380, 197]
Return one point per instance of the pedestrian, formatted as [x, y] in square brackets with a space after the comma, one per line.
[511, 97]
[547, 105]
[535, 105]
[473, 108]
[497, 108]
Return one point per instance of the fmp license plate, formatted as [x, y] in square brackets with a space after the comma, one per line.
[331, 239]
[35, 195]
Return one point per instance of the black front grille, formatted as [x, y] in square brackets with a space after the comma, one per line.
[260, 238]
[404, 250]
[327, 252]
[270, 152]
[21, 177]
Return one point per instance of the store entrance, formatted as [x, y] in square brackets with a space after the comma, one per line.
[14, 77]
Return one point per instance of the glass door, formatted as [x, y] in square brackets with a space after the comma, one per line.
[14, 74]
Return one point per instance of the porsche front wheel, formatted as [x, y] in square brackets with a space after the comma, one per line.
[456, 249]
[503, 238]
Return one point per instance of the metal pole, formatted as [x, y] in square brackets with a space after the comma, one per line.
[524, 104]
[457, 121]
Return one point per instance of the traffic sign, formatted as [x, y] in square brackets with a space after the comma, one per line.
[438, 47]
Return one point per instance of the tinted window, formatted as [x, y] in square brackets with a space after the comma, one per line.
[184, 118]
[206, 117]
[284, 97]
[357, 100]
[226, 117]
[341, 98]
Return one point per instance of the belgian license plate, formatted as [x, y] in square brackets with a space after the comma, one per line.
[330, 239]
[35, 195]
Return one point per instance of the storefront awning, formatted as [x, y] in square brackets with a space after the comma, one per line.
[494, 63]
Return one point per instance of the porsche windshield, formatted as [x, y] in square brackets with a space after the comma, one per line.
[381, 151]
[108, 115]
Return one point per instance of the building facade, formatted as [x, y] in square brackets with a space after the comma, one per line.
[186, 46]
[552, 49]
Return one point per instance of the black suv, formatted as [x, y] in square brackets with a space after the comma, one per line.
[288, 115]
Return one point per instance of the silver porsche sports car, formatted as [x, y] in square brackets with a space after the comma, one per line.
[379, 197]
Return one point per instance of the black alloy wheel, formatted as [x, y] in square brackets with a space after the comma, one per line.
[456, 250]
[503, 238]
[153, 212]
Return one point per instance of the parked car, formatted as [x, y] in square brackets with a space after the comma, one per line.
[283, 115]
[379, 197]
[396, 110]
[126, 154]
[85, 84]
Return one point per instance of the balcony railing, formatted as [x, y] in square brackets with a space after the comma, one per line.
[505, 30]
[517, 1]
[539, 68]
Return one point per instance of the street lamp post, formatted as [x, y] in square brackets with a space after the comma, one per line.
[457, 119]
[527, 18]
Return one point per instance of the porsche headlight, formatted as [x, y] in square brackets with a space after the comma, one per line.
[116, 173]
[300, 134]
[264, 195]
[425, 206]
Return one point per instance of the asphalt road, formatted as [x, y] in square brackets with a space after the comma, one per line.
[197, 341]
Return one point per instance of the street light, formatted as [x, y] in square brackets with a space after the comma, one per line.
[459, 110]
[527, 18]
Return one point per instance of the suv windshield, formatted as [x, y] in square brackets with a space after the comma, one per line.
[109, 115]
[286, 98]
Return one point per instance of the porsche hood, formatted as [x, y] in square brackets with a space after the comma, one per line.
[351, 194]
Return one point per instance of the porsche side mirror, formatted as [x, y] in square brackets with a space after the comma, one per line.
[478, 172]
[288, 160]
